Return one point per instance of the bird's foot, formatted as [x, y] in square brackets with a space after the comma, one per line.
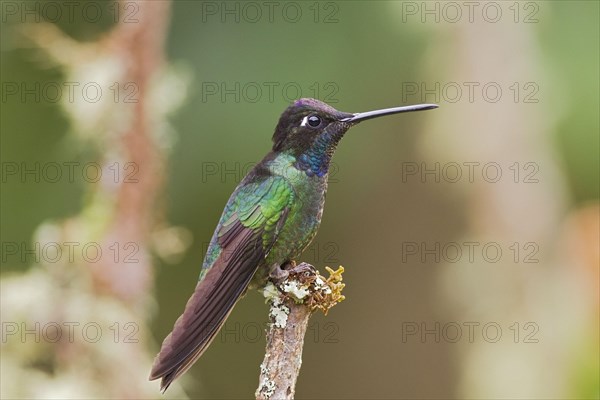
[289, 265]
[278, 274]
[303, 272]
[302, 269]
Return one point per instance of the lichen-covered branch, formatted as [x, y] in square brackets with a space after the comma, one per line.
[291, 304]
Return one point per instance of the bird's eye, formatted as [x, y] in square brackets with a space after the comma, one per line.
[314, 121]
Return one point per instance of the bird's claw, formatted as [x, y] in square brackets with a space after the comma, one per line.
[303, 269]
[278, 274]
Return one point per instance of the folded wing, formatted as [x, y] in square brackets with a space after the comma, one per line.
[250, 226]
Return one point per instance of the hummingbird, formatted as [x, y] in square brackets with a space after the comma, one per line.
[270, 219]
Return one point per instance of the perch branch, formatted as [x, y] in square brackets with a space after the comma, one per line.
[291, 304]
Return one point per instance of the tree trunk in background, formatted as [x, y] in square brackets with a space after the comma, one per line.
[88, 315]
[139, 48]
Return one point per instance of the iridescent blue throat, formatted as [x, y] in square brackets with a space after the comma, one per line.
[315, 161]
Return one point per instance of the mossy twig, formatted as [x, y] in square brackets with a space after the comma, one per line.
[291, 304]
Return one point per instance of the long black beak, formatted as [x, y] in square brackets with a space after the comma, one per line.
[358, 117]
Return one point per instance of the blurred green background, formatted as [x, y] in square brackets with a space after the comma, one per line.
[359, 56]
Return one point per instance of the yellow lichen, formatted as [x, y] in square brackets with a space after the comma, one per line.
[328, 291]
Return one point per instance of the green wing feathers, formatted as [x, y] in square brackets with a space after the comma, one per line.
[248, 229]
[258, 206]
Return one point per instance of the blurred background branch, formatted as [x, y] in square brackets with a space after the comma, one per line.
[95, 307]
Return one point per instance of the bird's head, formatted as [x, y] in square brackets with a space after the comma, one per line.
[310, 130]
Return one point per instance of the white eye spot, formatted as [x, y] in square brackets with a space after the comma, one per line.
[304, 121]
